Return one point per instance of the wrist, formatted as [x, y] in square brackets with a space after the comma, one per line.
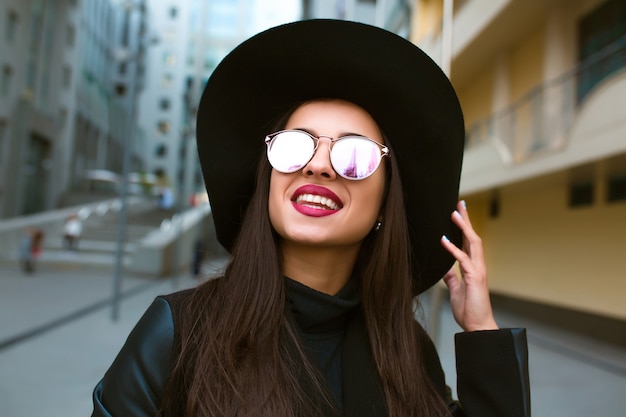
[487, 325]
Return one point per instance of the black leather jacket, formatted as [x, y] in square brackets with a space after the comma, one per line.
[492, 372]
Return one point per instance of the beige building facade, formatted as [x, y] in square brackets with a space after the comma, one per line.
[543, 87]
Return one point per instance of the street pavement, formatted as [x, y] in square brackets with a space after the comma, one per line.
[57, 338]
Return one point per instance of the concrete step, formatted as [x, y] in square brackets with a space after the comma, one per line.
[88, 246]
[97, 245]
[64, 259]
[111, 234]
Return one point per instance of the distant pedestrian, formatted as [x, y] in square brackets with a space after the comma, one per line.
[71, 232]
[166, 199]
[199, 252]
[30, 249]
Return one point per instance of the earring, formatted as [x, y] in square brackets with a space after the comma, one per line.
[377, 225]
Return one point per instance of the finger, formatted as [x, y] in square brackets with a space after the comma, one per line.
[458, 254]
[452, 281]
[474, 270]
[464, 224]
[472, 243]
[461, 207]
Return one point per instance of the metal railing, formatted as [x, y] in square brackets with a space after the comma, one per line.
[540, 121]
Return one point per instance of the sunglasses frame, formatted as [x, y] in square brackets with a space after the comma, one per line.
[384, 150]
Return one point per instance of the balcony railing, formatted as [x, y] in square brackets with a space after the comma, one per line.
[540, 121]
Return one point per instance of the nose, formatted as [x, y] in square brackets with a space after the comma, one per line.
[320, 164]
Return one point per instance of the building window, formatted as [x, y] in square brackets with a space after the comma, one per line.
[163, 126]
[67, 77]
[161, 175]
[161, 150]
[617, 188]
[63, 116]
[494, 206]
[169, 59]
[601, 32]
[5, 81]
[164, 104]
[2, 141]
[209, 63]
[173, 12]
[169, 34]
[70, 36]
[581, 194]
[11, 28]
[167, 80]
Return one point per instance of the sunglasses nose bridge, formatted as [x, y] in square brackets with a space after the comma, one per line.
[321, 163]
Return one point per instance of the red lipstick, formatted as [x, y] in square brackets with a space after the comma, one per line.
[316, 201]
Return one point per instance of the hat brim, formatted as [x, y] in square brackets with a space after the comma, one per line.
[400, 86]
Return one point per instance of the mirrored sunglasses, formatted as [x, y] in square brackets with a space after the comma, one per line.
[352, 157]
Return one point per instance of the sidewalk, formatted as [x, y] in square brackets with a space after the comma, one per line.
[570, 375]
[53, 372]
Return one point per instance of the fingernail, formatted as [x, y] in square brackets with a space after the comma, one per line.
[463, 204]
[445, 238]
[457, 214]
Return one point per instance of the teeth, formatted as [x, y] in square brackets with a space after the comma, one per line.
[317, 200]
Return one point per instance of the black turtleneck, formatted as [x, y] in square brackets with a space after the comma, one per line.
[322, 321]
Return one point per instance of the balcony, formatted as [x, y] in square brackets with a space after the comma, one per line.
[573, 119]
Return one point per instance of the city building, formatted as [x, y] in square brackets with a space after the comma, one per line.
[70, 74]
[393, 15]
[542, 85]
[194, 36]
[36, 63]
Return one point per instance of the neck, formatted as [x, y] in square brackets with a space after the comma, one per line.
[325, 269]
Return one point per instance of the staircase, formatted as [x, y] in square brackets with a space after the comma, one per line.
[98, 244]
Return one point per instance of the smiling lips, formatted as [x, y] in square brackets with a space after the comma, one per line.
[316, 201]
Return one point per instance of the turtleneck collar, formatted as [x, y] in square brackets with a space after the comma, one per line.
[316, 312]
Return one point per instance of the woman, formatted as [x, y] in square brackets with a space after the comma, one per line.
[71, 232]
[351, 211]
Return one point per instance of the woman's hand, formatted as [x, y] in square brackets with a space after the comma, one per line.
[469, 295]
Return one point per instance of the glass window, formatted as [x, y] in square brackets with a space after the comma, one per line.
[617, 188]
[601, 45]
[169, 59]
[70, 36]
[5, 80]
[167, 80]
[11, 27]
[161, 150]
[581, 194]
[67, 77]
[163, 126]
[2, 141]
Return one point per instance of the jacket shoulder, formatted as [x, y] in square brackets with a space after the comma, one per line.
[134, 383]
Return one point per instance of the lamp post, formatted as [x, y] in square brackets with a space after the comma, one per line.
[123, 216]
[125, 56]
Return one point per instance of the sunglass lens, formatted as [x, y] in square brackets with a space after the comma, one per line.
[355, 158]
[290, 151]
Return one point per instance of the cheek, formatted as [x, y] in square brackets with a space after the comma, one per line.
[375, 194]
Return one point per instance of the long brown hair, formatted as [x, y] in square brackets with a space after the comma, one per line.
[239, 353]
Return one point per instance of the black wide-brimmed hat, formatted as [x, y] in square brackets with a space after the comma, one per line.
[407, 94]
